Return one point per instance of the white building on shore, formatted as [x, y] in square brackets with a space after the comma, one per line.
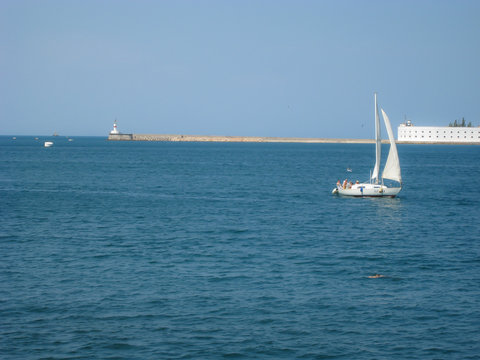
[438, 134]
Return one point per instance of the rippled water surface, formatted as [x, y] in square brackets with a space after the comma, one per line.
[132, 250]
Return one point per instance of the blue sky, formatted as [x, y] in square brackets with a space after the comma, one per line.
[253, 68]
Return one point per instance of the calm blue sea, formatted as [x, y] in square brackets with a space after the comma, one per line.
[133, 250]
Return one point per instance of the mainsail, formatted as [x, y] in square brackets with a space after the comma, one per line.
[392, 167]
[378, 144]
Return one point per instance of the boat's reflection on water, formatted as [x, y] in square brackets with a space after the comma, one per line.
[388, 208]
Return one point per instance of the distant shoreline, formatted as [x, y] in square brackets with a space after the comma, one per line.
[260, 139]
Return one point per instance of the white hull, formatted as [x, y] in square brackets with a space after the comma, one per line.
[362, 190]
[48, 143]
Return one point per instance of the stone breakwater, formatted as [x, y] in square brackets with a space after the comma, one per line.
[213, 138]
[258, 139]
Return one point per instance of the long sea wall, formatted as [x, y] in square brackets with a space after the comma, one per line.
[213, 138]
[259, 139]
[121, 137]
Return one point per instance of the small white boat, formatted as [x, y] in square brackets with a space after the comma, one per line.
[48, 144]
[375, 186]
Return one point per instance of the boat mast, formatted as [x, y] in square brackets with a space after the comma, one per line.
[378, 144]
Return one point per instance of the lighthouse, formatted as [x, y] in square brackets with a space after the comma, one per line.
[117, 135]
[115, 130]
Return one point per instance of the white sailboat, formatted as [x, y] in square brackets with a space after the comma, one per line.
[376, 186]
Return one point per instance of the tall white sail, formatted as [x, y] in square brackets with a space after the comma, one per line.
[378, 144]
[392, 167]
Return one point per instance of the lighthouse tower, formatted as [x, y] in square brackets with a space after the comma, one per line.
[115, 130]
